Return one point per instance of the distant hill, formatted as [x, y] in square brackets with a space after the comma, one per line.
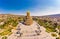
[55, 15]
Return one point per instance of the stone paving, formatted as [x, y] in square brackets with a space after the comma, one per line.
[28, 32]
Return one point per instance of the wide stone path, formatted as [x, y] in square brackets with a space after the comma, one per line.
[29, 32]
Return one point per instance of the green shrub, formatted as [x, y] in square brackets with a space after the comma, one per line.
[6, 32]
[4, 37]
[57, 38]
[54, 35]
[50, 30]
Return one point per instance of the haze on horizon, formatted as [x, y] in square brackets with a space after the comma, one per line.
[36, 7]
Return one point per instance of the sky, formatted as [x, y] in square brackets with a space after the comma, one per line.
[36, 7]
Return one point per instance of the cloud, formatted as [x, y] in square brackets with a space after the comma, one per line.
[40, 7]
[34, 11]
